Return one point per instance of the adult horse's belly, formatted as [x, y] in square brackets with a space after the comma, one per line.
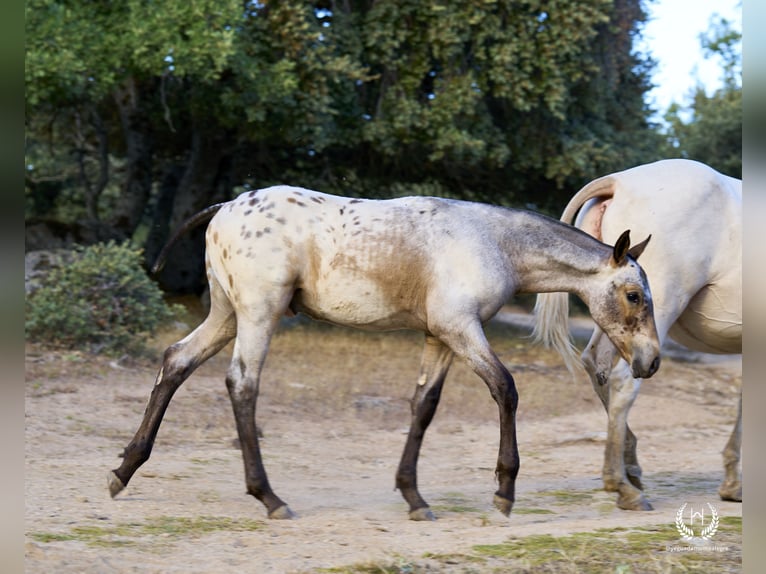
[707, 325]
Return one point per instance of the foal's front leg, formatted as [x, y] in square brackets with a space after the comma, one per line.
[471, 344]
[434, 365]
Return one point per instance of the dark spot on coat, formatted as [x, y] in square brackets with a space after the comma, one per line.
[342, 210]
[241, 367]
[215, 237]
[253, 201]
[281, 220]
[248, 212]
[248, 235]
[355, 201]
[231, 280]
[317, 199]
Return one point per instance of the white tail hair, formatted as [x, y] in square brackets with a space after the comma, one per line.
[552, 328]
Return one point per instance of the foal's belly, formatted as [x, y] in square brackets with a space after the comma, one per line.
[360, 304]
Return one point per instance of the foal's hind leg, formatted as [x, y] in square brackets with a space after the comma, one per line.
[253, 335]
[434, 365]
[731, 488]
[179, 362]
[617, 390]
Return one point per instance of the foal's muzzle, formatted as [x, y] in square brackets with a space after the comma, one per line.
[641, 371]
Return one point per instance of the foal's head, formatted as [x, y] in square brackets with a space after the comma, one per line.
[622, 307]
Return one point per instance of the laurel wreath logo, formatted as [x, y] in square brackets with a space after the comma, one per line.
[687, 533]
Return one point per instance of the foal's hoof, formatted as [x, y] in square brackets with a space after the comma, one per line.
[731, 492]
[115, 484]
[638, 502]
[282, 513]
[423, 513]
[503, 504]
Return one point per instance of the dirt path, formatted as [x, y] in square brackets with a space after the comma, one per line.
[186, 511]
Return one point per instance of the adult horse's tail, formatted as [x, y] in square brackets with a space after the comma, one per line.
[552, 309]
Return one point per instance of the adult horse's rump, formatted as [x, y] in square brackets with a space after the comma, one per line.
[694, 266]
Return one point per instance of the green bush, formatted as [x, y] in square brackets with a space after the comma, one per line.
[102, 301]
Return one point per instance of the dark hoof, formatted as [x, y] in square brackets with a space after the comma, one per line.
[634, 503]
[423, 513]
[503, 504]
[282, 513]
[115, 484]
[731, 492]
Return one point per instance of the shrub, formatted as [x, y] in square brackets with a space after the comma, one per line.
[102, 300]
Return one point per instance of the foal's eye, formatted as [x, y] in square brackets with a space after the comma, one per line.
[633, 296]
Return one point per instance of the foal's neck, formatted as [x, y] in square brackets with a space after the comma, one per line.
[551, 256]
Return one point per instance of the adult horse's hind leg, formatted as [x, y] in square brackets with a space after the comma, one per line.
[617, 390]
[253, 335]
[179, 361]
[434, 365]
[731, 488]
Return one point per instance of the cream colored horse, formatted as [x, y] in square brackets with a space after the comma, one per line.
[438, 266]
[694, 265]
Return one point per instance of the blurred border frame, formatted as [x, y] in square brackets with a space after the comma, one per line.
[12, 283]
[754, 285]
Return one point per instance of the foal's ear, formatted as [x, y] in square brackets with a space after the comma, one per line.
[638, 248]
[621, 248]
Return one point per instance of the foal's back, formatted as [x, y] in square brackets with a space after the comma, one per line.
[359, 262]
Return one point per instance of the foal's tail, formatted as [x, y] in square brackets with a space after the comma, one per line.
[552, 309]
[197, 219]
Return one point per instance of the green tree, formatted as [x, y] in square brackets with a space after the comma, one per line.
[139, 114]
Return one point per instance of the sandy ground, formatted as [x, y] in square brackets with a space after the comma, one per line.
[333, 461]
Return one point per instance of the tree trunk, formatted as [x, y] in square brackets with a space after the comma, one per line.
[136, 125]
[205, 180]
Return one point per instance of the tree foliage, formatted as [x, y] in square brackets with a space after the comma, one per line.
[709, 129]
[139, 114]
